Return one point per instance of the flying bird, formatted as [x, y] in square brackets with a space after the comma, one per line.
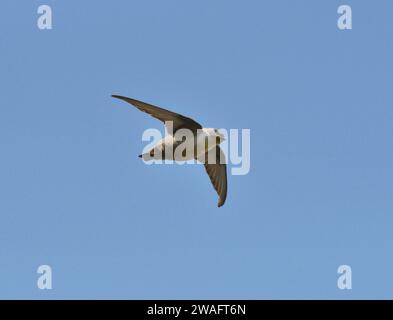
[203, 152]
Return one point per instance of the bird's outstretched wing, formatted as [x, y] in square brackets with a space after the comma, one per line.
[179, 121]
[217, 173]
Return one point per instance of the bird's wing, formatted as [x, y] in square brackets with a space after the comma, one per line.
[217, 173]
[179, 121]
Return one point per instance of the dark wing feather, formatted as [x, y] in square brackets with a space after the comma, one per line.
[179, 121]
[217, 173]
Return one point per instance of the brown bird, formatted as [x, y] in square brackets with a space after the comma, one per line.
[203, 152]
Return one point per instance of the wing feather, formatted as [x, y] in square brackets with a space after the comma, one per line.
[179, 121]
[217, 173]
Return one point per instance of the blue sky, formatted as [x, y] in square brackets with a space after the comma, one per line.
[75, 196]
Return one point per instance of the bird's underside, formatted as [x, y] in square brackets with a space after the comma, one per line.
[216, 169]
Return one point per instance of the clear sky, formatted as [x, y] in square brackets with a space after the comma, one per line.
[75, 196]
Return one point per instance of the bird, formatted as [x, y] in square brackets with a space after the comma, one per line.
[203, 152]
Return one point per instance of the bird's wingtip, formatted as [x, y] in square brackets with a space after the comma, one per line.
[220, 202]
